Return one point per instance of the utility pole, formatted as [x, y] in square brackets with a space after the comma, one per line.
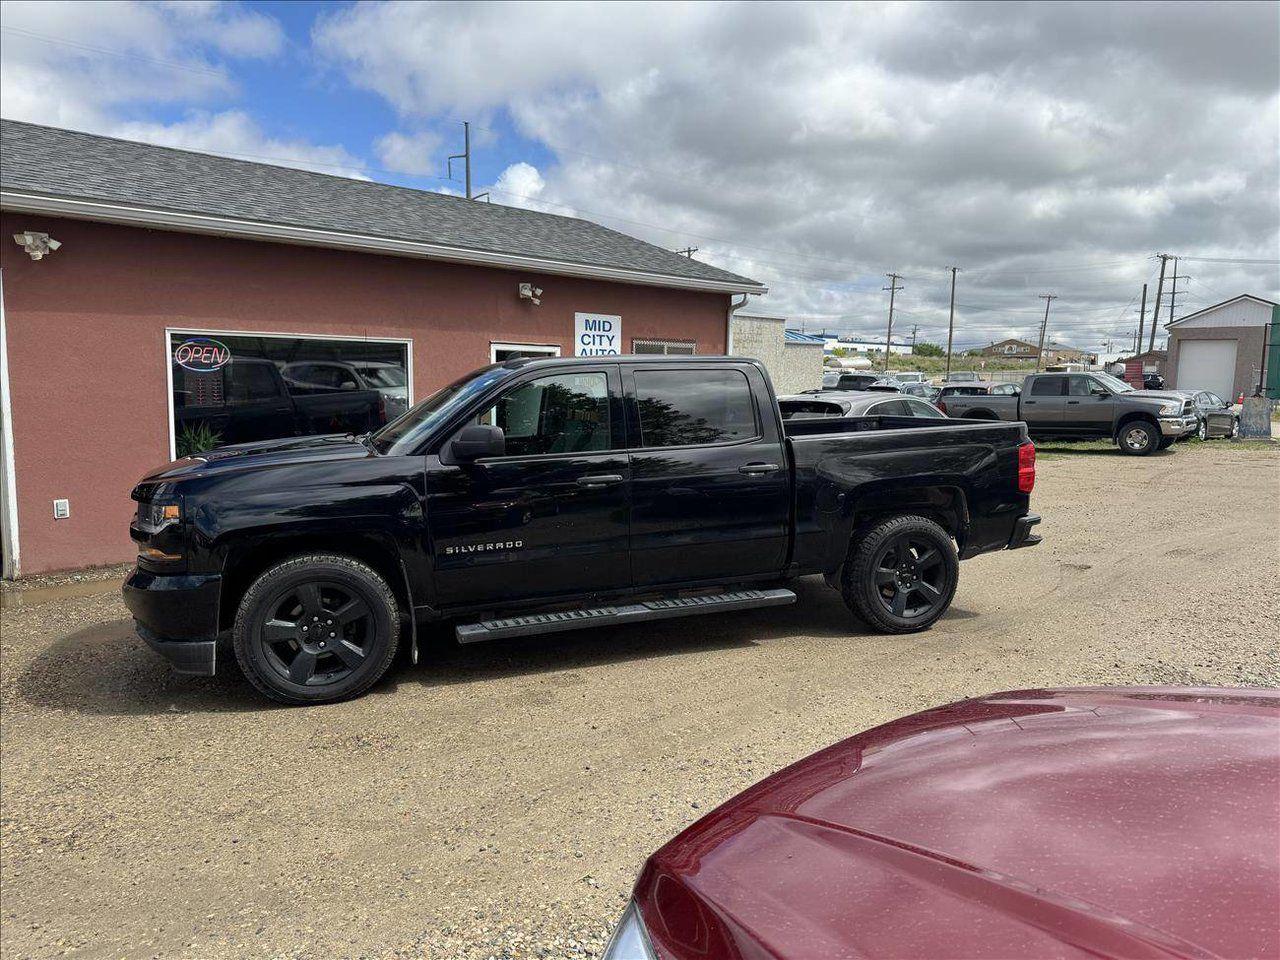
[1142, 319]
[688, 252]
[914, 328]
[1155, 317]
[951, 321]
[1048, 298]
[1173, 292]
[464, 156]
[893, 288]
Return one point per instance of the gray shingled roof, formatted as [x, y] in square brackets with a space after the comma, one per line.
[66, 164]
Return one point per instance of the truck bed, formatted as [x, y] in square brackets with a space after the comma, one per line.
[847, 467]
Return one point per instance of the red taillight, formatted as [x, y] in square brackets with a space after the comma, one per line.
[1026, 467]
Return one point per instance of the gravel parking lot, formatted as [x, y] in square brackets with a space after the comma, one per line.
[498, 800]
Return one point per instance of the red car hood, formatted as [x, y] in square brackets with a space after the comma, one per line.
[1047, 823]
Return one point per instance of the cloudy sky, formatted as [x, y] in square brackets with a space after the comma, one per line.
[1041, 148]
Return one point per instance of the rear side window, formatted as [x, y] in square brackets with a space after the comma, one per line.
[918, 408]
[250, 382]
[1003, 390]
[683, 407]
[1047, 386]
[890, 408]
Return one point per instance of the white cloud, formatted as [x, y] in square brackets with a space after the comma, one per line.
[412, 153]
[816, 146]
[520, 185]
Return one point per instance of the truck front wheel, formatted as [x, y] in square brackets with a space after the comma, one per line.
[315, 629]
[1138, 438]
[901, 575]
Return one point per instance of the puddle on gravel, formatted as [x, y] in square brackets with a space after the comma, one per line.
[12, 599]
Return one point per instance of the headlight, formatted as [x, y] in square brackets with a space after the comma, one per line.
[157, 516]
[1170, 409]
[630, 941]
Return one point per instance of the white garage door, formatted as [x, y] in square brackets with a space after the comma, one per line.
[1208, 365]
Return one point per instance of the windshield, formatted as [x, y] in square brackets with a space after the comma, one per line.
[1111, 383]
[408, 430]
[383, 376]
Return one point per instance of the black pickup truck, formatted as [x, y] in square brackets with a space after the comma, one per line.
[540, 495]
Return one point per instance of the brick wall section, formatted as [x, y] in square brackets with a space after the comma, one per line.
[87, 352]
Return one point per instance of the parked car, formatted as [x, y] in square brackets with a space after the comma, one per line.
[909, 376]
[925, 391]
[249, 400]
[831, 403]
[1215, 417]
[844, 380]
[521, 500]
[1105, 822]
[1083, 405]
[961, 376]
[320, 375]
[1152, 381]
[981, 388]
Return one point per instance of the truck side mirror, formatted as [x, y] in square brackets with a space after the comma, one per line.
[476, 441]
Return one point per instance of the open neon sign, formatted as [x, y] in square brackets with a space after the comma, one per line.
[202, 355]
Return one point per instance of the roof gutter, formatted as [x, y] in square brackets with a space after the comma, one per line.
[308, 236]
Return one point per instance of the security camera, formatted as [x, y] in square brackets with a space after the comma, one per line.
[34, 244]
[529, 292]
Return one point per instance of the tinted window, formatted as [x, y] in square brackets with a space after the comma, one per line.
[250, 382]
[809, 409]
[567, 413]
[890, 408]
[679, 407]
[1047, 386]
[918, 408]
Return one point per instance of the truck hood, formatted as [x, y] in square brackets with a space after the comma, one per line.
[1091, 822]
[264, 453]
[1159, 396]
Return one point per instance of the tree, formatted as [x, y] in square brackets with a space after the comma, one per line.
[925, 349]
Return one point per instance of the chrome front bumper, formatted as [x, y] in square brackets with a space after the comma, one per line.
[1177, 426]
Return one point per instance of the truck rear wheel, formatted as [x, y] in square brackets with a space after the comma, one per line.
[901, 575]
[1138, 438]
[316, 629]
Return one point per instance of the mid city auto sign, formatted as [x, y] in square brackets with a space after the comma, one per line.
[596, 335]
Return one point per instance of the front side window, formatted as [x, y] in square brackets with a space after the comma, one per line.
[1080, 386]
[566, 413]
[684, 407]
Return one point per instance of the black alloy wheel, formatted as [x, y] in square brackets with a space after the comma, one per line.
[318, 633]
[316, 628]
[909, 576]
[901, 574]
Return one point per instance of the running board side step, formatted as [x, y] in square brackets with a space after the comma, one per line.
[612, 616]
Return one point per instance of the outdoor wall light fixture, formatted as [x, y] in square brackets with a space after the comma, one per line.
[35, 245]
[529, 292]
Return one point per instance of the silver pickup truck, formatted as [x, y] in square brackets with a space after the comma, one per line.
[1084, 406]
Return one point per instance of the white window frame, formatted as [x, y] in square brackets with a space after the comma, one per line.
[550, 349]
[169, 332]
[663, 342]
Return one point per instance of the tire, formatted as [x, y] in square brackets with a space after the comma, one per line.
[1138, 438]
[906, 551]
[290, 658]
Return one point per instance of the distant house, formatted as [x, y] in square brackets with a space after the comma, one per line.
[1011, 349]
[1015, 349]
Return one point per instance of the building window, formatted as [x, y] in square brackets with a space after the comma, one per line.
[665, 347]
[236, 388]
[502, 352]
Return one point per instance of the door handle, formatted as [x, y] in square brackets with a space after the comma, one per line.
[1069, 402]
[600, 480]
[755, 469]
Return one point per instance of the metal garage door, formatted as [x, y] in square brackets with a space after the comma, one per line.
[1208, 365]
